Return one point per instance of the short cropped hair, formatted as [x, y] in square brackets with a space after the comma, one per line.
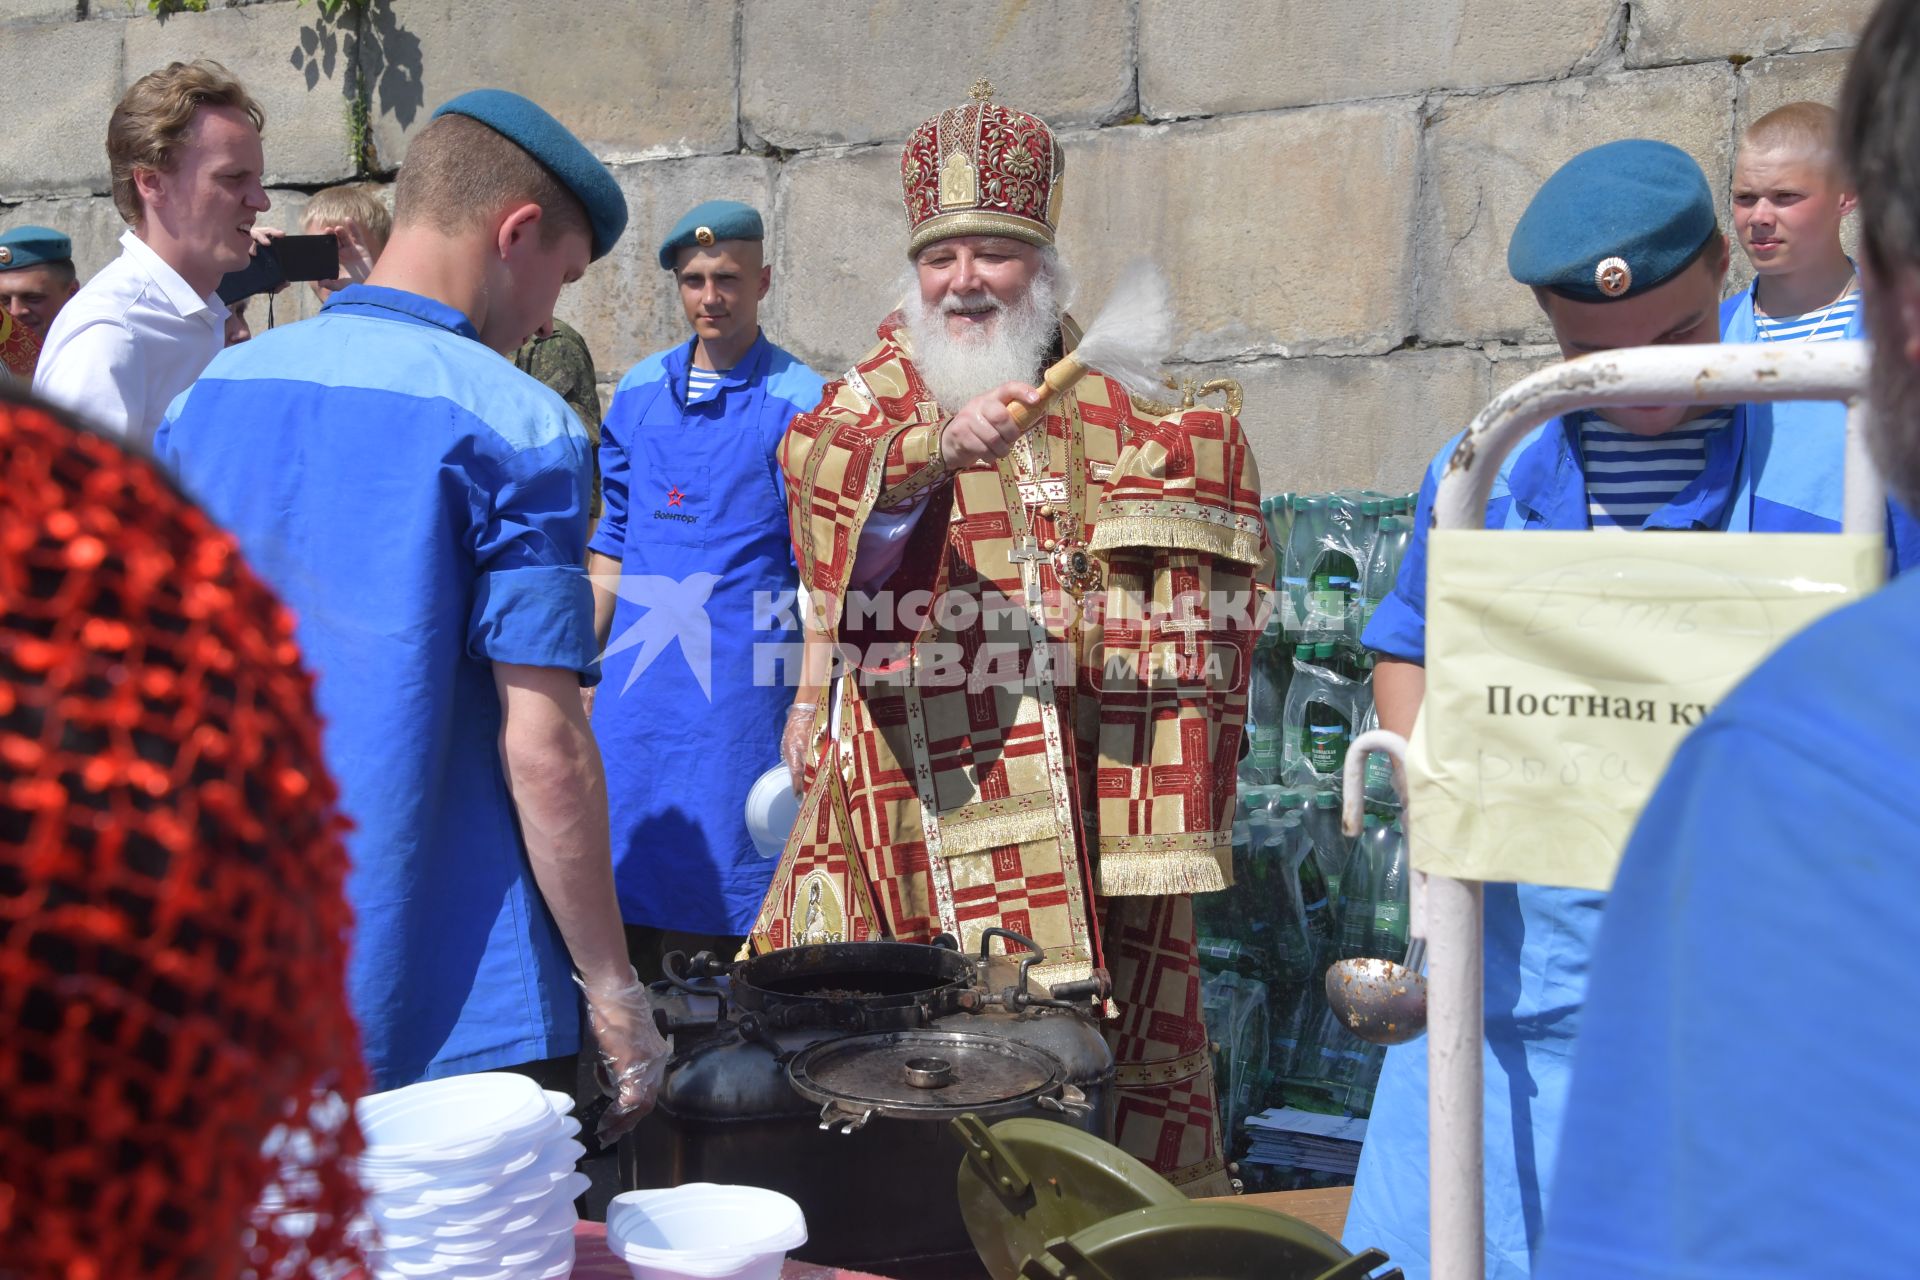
[459, 172]
[359, 203]
[1807, 127]
[150, 123]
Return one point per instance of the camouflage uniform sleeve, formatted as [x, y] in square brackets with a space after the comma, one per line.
[563, 363]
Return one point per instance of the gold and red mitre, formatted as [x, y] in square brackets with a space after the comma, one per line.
[981, 170]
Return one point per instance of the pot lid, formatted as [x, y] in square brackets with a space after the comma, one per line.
[1201, 1241]
[1026, 1181]
[925, 1074]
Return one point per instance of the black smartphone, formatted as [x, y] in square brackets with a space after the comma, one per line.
[280, 261]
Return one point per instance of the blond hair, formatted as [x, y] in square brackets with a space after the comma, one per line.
[359, 204]
[150, 123]
[459, 173]
[1811, 129]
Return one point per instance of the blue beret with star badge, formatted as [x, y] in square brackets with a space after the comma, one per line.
[709, 223]
[1614, 222]
[31, 246]
[527, 126]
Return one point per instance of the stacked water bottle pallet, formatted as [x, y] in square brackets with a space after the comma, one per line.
[1305, 895]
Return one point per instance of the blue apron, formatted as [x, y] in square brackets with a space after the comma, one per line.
[685, 737]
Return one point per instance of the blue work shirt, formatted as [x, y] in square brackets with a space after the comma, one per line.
[1742, 1102]
[420, 505]
[702, 641]
[1819, 432]
[1538, 939]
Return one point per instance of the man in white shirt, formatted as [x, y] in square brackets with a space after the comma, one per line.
[183, 147]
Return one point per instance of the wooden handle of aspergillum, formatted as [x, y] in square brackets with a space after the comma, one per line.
[1065, 372]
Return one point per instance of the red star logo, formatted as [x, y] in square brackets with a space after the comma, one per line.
[674, 495]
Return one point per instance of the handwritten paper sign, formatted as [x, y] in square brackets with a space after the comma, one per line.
[1563, 669]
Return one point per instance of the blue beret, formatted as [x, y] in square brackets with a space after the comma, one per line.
[548, 141]
[1614, 222]
[30, 246]
[706, 223]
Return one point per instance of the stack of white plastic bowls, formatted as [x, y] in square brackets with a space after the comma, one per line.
[704, 1231]
[471, 1178]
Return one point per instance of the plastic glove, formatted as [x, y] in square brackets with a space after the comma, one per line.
[794, 741]
[632, 1054]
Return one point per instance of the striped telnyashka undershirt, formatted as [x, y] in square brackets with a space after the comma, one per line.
[1630, 477]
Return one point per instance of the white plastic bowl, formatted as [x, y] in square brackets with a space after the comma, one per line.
[509, 1260]
[477, 1194]
[772, 809]
[453, 1120]
[526, 1193]
[492, 1168]
[704, 1231]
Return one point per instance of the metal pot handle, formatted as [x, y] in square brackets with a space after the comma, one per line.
[843, 1117]
[1072, 1102]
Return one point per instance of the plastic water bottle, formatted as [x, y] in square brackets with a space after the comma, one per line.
[1365, 1078]
[1305, 679]
[1388, 862]
[1383, 567]
[1267, 684]
[1355, 913]
[1330, 586]
[1228, 955]
[1306, 539]
[1286, 800]
[1379, 769]
[1280, 922]
[1316, 903]
[1319, 717]
[1330, 847]
[1327, 723]
[1277, 511]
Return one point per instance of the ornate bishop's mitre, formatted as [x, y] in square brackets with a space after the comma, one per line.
[981, 170]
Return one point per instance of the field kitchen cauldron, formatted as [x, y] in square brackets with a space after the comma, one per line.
[830, 1073]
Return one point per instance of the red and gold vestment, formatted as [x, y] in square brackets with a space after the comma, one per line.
[1042, 720]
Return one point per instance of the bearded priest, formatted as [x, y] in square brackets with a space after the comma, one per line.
[1041, 633]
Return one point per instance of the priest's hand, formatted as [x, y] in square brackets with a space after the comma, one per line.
[984, 430]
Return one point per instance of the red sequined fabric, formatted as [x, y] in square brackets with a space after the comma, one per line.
[981, 169]
[177, 1048]
[19, 349]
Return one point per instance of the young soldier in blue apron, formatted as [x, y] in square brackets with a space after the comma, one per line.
[1621, 248]
[1790, 196]
[694, 532]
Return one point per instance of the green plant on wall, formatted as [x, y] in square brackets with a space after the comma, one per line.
[161, 8]
[332, 9]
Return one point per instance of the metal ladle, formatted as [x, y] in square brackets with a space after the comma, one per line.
[1377, 1000]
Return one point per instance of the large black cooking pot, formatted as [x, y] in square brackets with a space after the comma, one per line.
[830, 1072]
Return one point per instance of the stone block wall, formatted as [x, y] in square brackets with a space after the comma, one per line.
[1330, 184]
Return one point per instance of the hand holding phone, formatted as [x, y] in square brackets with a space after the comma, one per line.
[283, 259]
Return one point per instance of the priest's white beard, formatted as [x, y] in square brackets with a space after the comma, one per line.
[958, 369]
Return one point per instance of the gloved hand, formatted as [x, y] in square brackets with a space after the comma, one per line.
[794, 741]
[632, 1055]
